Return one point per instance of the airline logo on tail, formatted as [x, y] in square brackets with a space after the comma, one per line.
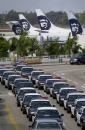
[24, 22]
[25, 25]
[74, 24]
[43, 21]
[75, 27]
[17, 29]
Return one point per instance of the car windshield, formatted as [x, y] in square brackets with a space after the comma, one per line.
[73, 97]
[48, 114]
[80, 103]
[27, 70]
[5, 75]
[48, 125]
[50, 82]
[35, 74]
[18, 68]
[27, 99]
[22, 92]
[43, 78]
[2, 71]
[20, 80]
[12, 78]
[66, 91]
[57, 87]
[24, 84]
[40, 104]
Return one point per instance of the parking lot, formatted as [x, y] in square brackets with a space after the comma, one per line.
[11, 116]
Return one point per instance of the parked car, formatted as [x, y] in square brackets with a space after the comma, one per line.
[27, 99]
[34, 104]
[45, 124]
[49, 113]
[2, 70]
[5, 76]
[34, 76]
[42, 79]
[49, 84]
[19, 67]
[77, 105]
[80, 116]
[22, 85]
[63, 94]
[78, 59]
[22, 92]
[26, 71]
[17, 81]
[70, 99]
[11, 79]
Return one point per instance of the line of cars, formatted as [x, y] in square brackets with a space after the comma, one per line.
[24, 81]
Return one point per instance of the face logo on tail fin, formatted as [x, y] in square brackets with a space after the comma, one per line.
[17, 29]
[75, 27]
[44, 22]
[25, 25]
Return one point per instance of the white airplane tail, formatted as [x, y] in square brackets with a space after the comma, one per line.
[44, 22]
[75, 25]
[24, 22]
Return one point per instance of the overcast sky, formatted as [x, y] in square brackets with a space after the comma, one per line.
[45, 5]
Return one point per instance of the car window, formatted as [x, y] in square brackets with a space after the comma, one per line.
[48, 125]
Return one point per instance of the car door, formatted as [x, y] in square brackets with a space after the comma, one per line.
[79, 113]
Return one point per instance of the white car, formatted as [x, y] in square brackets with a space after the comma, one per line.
[78, 103]
[80, 114]
[71, 97]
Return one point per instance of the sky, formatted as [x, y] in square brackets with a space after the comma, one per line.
[45, 5]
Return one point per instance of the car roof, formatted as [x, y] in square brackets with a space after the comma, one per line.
[60, 82]
[21, 65]
[37, 71]
[14, 75]
[83, 99]
[67, 88]
[9, 71]
[21, 79]
[25, 88]
[52, 79]
[26, 67]
[76, 93]
[45, 75]
[47, 108]
[27, 94]
[41, 100]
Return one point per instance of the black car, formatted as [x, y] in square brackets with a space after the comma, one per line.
[63, 94]
[22, 85]
[49, 112]
[36, 104]
[27, 99]
[11, 79]
[49, 84]
[34, 76]
[78, 59]
[26, 71]
[71, 99]
[5, 76]
[42, 79]
[22, 92]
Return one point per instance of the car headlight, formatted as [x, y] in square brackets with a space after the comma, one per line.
[75, 59]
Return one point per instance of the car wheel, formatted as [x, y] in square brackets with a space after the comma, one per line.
[30, 118]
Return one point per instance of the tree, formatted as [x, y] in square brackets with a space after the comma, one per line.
[4, 47]
[13, 44]
[52, 47]
[71, 46]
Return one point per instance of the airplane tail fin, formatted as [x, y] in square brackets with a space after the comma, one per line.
[15, 26]
[44, 22]
[24, 22]
[75, 25]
